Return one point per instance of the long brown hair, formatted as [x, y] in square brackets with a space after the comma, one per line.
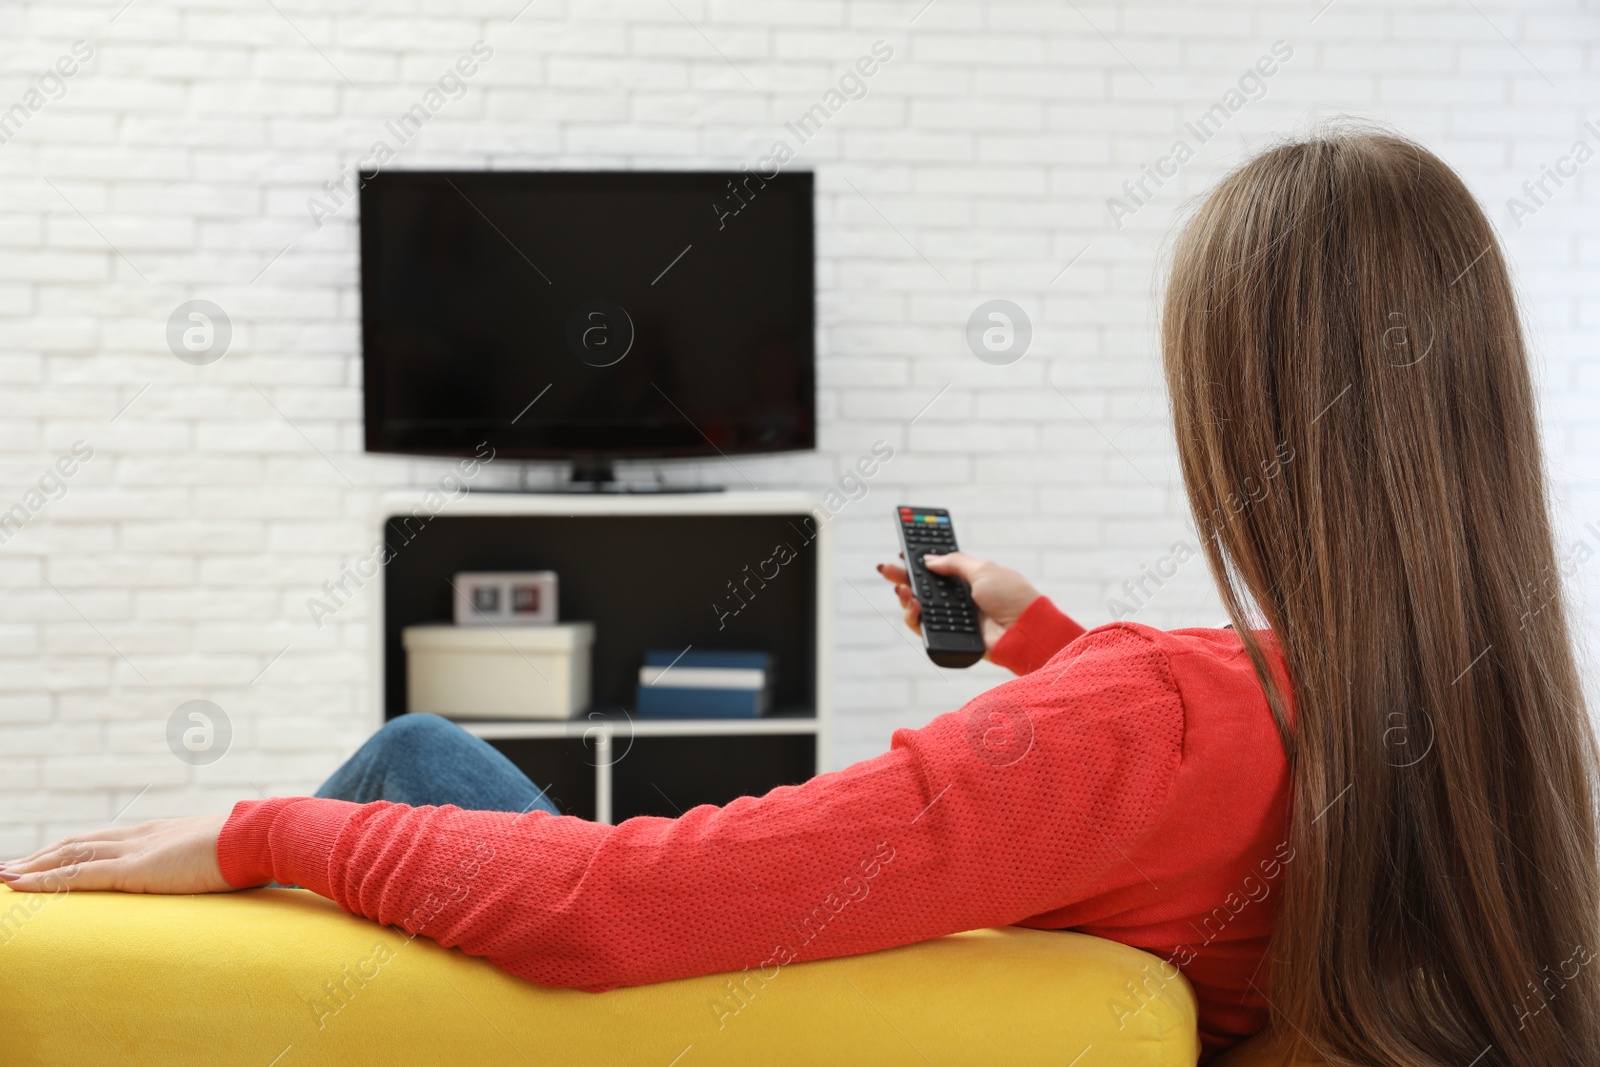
[1356, 426]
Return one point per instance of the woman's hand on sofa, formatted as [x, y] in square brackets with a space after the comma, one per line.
[1000, 592]
[166, 856]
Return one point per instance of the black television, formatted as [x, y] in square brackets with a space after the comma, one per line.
[588, 315]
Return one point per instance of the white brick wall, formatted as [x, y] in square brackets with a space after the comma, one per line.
[178, 163]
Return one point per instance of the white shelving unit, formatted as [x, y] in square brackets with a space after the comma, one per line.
[603, 732]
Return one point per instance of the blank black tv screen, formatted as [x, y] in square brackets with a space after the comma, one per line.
[561, 314]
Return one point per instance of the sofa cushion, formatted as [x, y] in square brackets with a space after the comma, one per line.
[283, 978]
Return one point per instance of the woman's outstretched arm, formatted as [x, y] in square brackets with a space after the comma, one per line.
[1022, 802]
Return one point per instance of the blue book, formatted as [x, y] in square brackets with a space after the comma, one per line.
[676, 702]
[703, 684]
[710, 657]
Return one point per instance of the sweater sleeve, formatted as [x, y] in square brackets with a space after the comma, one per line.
[1021, 802]
[1038, 634]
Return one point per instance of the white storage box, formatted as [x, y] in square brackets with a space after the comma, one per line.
[507, 672]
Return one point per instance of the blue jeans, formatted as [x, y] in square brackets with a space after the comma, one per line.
[421, 759]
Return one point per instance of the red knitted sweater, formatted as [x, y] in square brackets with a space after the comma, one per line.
[1130, 785]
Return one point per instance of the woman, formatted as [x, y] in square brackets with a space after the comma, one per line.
[1389, 783]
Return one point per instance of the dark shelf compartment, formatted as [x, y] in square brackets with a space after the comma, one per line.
[618, 715]
[646, 581]
[664, 776]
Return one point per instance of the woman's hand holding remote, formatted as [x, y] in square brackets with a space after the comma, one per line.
[1000, 592]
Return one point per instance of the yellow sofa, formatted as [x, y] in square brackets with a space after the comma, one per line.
[282, 978]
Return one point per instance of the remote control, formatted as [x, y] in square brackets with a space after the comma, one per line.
[950, 631]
